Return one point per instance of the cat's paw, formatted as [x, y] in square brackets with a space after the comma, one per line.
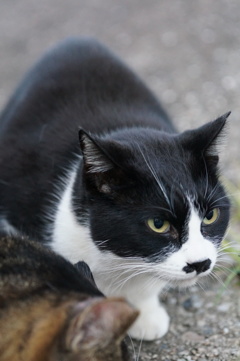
[150, 325]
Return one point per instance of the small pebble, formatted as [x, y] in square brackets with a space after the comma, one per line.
[207, 331]
[192, 337]
[225, 330]
[225, 307]
[192, 303]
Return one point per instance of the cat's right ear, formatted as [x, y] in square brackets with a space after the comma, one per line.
[102, 323]
[100, 162]
[95, 159]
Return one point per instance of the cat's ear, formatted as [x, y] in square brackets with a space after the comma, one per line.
[95, 158]
[204, 141]
[101, 162]
[101, 323]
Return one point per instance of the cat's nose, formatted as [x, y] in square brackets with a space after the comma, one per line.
[199, 267]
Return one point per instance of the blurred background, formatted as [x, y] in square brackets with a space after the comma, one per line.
[188, 52]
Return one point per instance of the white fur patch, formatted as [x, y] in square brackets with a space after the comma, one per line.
[70, 238]
[7, 228]
[152, 323]
[195, 249]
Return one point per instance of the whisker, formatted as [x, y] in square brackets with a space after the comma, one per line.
[227, 253]
[229, 244]
[133, 347]
[226, 196]
[139, 349]
[200, 285]
[226, 273]
[226, 268]
[214, 275]
[121, 283]
[228, 249]
[206, 188]
[155, 177]
[222, 261]
[211, 194]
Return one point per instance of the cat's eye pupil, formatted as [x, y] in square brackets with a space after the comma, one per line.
[158, 223]
[209, 216]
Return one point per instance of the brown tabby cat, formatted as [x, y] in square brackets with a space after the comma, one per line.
[52, 311]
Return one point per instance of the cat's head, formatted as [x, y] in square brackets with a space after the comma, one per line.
[94, 330]
[156, 199]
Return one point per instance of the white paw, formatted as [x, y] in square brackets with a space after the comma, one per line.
[151, 324]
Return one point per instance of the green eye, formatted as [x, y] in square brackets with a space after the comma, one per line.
[211, 216]
[158, 225]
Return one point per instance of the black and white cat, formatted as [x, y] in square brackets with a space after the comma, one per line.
[140, 203]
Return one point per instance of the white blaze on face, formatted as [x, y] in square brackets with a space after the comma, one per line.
[196, 249]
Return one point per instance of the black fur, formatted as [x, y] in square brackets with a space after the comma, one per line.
[127, 142]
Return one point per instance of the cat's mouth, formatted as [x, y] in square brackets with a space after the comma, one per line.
[181, 279]
[192, 279]
[187, 281]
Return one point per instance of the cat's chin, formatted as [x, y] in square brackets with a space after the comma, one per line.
[181, 281]
[187, 283]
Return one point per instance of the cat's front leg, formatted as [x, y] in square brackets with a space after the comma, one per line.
[153, 322]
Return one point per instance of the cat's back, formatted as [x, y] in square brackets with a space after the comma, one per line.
[77, 84]
[80, 83]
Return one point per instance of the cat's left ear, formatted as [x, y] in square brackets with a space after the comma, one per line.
[204, 141]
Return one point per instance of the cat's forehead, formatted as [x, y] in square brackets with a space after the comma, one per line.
[152, 145]
[160, 151]
[156, 139]
[165, 165]
[155, 160]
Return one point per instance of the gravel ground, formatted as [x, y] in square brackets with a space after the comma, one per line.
[188, 52]
[205, 326]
